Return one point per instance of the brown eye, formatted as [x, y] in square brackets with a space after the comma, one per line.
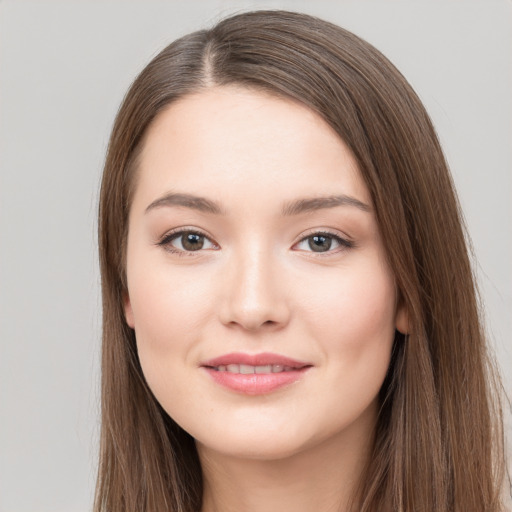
[186, 242]
[323, 243]
[192, 241]
[319, 243]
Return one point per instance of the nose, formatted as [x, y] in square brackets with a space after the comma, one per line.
[253, 297]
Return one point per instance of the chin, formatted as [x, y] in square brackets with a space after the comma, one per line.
[262, 442]
[264, 449]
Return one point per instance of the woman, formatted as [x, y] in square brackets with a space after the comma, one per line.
[289, 319]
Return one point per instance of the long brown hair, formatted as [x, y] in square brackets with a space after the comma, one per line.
[438, 441]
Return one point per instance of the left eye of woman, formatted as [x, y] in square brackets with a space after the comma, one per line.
[323, 242]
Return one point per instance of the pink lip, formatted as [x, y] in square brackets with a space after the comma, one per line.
[255, 383]
[262, 359]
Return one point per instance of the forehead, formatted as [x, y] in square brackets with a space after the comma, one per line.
[225, 140]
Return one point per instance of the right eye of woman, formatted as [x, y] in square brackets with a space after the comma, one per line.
[186, 241]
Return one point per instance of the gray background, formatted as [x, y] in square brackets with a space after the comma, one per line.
[64, 67]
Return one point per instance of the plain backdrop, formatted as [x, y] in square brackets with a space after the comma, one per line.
[64, 68]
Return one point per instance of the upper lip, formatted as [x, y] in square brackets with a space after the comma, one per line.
[263, 359]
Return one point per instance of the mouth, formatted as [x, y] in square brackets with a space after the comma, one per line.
[246, 369]
[255, 374]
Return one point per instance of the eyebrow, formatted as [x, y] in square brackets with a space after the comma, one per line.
[188, 201]
[317, 203]
[295, 207]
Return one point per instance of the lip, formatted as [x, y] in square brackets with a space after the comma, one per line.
[255, 383]
[262, 359]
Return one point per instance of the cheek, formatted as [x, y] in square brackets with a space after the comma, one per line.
[169, 311]
[354, 319]
[164, 300]
[354, 326]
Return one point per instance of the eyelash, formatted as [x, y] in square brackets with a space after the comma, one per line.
[344, 243]
[169, 237]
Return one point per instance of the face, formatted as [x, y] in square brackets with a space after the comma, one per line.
[258, 288]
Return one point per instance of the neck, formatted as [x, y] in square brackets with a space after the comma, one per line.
[323, 477]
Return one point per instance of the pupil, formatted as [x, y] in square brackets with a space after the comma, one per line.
[320, 243]
[193, 242]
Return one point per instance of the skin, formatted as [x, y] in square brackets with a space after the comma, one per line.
[258, 286]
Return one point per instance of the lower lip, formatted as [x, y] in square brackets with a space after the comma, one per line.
[256, 383]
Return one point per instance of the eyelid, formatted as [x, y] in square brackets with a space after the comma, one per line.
[164, 240]
[343, 240]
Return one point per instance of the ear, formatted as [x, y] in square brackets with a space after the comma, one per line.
[128, 311]
[402, 318]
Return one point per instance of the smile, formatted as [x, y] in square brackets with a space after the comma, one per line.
[247, 369]
[255, 374]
